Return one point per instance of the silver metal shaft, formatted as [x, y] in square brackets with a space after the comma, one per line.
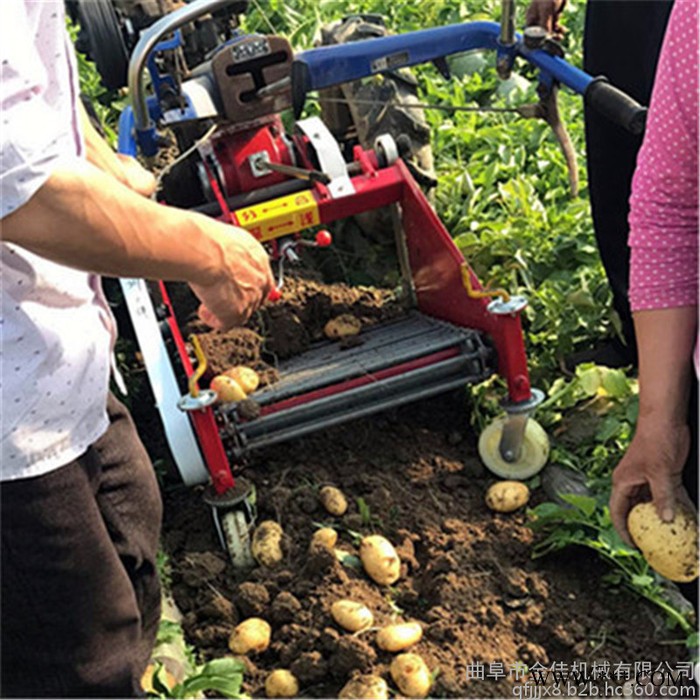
[507, 37]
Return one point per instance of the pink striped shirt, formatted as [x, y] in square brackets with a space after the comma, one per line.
[664, 204]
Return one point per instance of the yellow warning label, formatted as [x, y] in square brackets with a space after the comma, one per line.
[279, 217]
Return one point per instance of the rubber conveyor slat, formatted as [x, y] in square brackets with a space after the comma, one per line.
[396, 343]
[382, 346]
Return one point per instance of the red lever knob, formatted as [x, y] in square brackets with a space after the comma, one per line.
[274, 295]
[323, 238]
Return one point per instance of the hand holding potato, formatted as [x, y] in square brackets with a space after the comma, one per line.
[652, 465]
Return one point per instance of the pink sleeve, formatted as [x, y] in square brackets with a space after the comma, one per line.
[664, 203]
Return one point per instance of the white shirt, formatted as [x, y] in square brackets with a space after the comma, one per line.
[57, 330]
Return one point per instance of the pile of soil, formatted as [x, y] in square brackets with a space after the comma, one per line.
[413, 475]
[286, 327]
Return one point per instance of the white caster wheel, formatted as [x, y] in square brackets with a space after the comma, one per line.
[236, 532]
[533, 454]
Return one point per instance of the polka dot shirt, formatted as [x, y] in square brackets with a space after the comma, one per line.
[664, 203]
[55, 324]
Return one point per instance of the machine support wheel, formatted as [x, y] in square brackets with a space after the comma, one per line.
[234, 514]
[104, 41]
[527, 461]
[236, 533]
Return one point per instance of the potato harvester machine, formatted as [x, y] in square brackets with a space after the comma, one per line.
[281, 187]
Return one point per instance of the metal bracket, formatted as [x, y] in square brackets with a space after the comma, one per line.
[513, 433]
[178, 429]
[330, 157]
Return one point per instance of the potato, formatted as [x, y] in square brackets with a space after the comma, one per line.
[325, 537]
[342, 327]
[352, 616]
[372, 687]
[411, 675]
[399, 636]
[245, 377]
[333, 500]
[507, 496]
[227, 389]
[252, 636]
[671, 549]
[281, 684]
[380, 560]
[266, 544]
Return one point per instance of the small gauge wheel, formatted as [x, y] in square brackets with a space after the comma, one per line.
[236, 531]
[105, 43]
[533, 454]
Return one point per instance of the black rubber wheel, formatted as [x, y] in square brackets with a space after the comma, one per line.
[104, 43]
[360, 111]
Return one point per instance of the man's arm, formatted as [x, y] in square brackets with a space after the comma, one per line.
[83, 218]
[126, 169]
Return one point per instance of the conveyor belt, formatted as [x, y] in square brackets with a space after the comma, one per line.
[382, 346]
[433, 357]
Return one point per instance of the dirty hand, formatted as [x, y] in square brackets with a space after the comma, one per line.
[545, 13]
[244, 280]
[134, 176]
[653, 464]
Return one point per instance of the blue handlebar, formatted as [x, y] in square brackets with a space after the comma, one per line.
[326, 66]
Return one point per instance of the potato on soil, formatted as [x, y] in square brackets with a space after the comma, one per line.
[671, 549]
[333, 500]
[266, 544]
[325, 537]
[411, 675]
[352, 616]
[342, 327]
[227, 390]
[507, 496]
[245, 377]
[281, 684]
[372, 687]
[380, 560]
[252, 636]
[399, 637]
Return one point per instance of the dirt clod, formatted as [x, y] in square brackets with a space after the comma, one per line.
[252, 599]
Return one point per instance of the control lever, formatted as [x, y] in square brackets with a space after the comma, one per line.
[287, 251]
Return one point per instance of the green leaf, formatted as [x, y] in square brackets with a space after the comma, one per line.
[642, 580]
[586, 504]
[615, 382]
[350, 560]
[589, 379]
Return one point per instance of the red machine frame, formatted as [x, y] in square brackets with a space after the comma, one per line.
[437, 268]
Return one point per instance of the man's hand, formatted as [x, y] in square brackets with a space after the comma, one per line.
[244, 281]
[653, 464]
[546, 13]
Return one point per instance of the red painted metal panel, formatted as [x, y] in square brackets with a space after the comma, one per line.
[204, 421]
[436, 264]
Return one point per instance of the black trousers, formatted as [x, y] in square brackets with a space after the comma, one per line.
[80, 590]
[622, 41]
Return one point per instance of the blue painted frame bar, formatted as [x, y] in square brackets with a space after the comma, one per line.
[326, 66]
